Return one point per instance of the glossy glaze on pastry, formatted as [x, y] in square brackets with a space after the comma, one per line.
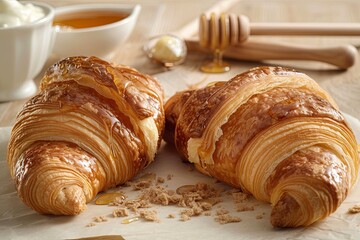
[274, 133]
[92, 126]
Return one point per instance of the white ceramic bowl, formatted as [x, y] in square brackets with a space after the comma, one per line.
[23, 52]
[98, 41]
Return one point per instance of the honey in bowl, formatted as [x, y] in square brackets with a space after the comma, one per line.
[88, 19]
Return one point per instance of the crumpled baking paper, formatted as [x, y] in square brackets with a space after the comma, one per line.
[19, 222]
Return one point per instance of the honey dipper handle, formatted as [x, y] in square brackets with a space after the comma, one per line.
[343, 56]
[305, 29]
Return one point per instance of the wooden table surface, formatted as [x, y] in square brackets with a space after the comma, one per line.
[162, 16]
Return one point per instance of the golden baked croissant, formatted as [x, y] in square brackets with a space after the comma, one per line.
[92, 126]
[273, 133]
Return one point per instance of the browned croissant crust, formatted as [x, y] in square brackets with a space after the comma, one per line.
[92, 126]
[273, 133]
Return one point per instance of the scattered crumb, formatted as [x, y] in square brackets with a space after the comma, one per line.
[143, 184]
[159, 195]
[221, 211]
[100, 219]
[162, 199]
[120, 212]
[118, 201]
[354, 209]
[188, 212]
[171, 215]
[160, 180]
[133, 205]
[149, 215]
[241, 207]
[194, 211]
[226, 218]
[196, 200]
[171, 192]
[207, 213]
[205, 205]
[190, 168]
[239, 197]
[184, 217]
[197, 209]
[91, 224]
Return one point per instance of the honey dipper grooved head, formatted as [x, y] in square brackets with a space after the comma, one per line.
[219, 32]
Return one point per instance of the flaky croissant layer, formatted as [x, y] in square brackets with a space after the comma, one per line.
[274, 133]
[92, 126]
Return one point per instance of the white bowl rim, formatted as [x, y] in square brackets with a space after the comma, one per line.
[133, 9]
[47, 17]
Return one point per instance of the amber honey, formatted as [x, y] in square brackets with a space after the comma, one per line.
[88, 19]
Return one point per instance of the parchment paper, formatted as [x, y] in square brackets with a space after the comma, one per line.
[19, 222]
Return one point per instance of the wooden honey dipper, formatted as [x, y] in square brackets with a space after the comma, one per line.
[229, 34]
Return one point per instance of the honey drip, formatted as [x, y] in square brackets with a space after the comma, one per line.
[107, 198]
[216, 40]
[130, 220]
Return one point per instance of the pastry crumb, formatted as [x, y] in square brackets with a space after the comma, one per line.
[226, 218]
[207, 213]
[170, 215]
[205, 205]
[196, 200]
[221, 211]
[239, 197]
[241, 207]
[160, 180]
[118, 201]
[91, 224]
[149, 215]
[354, 209]
[259, 217]
[100, 219]
[184, 217]
[143, 184]
[120, 212]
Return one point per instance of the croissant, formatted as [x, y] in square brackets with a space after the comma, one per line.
[92, 126]
[272, 132]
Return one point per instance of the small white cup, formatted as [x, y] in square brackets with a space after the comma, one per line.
[24, 49]
[23, 52]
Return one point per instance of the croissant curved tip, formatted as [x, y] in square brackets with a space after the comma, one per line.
[71, 200]
[286, 212]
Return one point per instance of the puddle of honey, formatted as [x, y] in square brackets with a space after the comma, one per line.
[107, 198]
